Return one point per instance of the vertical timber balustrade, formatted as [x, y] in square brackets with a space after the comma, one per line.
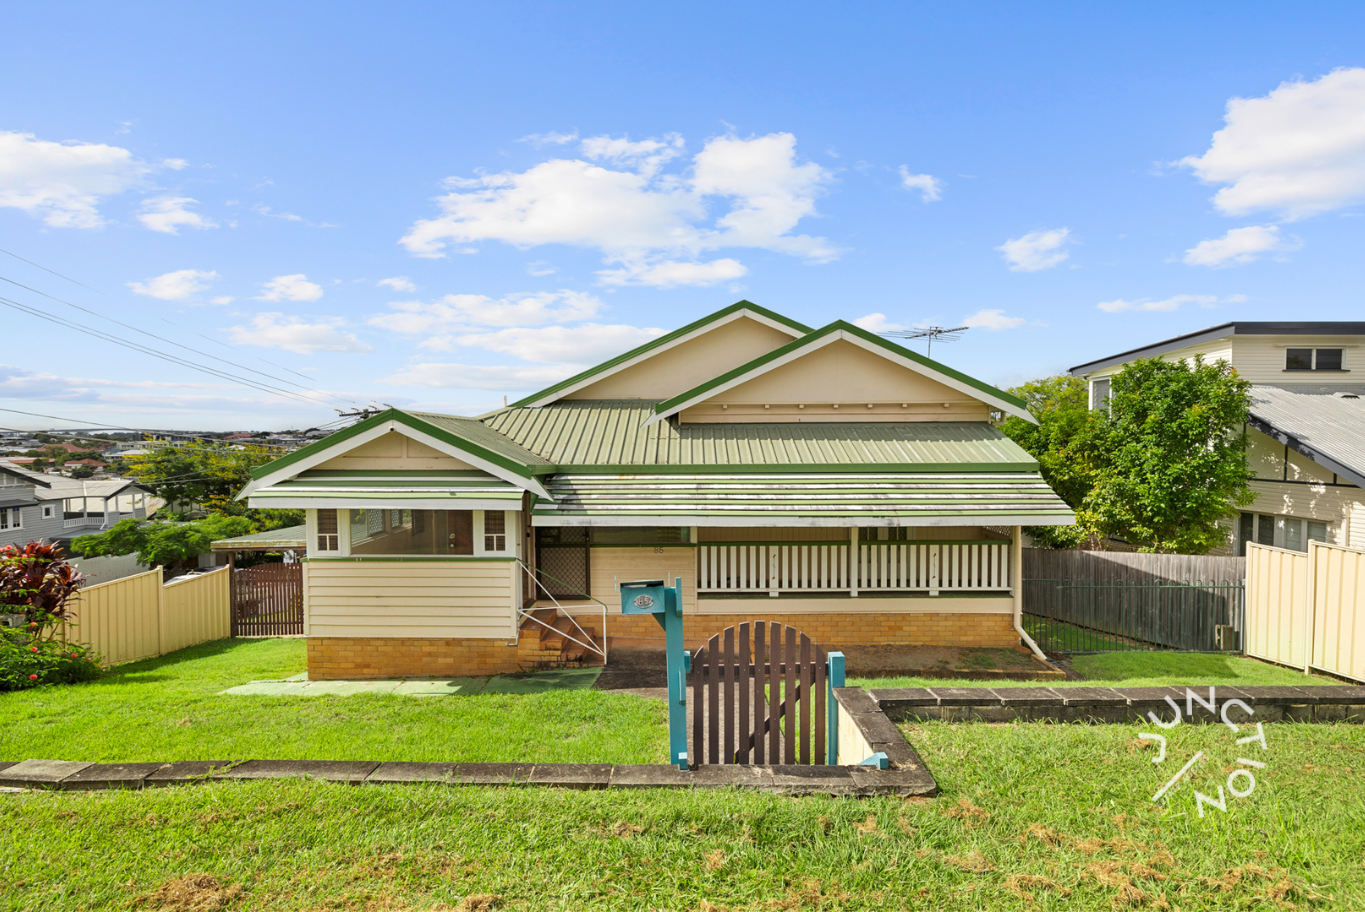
[811, 567]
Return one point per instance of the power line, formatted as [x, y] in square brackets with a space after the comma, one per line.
[54, 272]
[173, 359]
[176, 344]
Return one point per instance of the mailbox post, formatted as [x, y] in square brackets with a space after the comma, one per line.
[665, 603]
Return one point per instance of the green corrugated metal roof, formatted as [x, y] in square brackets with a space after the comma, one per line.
[579, 435]
[854, 499]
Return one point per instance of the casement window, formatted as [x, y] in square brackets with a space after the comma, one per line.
[416, 532]
[495, 531]
[1313, 359]
[1099, 394]
[327, 530]
[11, 518]
[49, 511]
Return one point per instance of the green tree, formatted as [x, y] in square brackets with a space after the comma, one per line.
[1066, 443]
[1175, 455]
[206, 474]
[1158, 468]
[160, 543]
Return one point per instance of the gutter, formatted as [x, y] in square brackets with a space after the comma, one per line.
[1017, 572]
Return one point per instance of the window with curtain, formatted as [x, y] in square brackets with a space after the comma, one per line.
[327, 530]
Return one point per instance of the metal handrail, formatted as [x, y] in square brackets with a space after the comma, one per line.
[533, 574]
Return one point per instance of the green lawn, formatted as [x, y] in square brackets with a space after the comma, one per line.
[1138, 669]
[169, 709]
[1060, 813]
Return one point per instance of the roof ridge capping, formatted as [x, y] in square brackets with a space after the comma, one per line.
[1007, 402]
[665, 339]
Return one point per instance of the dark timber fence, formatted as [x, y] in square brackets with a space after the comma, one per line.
[267, 600]
[1095, 601]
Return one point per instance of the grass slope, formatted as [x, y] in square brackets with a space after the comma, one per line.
[1033, 817]
[169, 709]
[1138, 669]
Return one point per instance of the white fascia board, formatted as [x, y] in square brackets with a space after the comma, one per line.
[810, 522]
[950, 382]
[645, 356]
[342, 502]
[374, 433]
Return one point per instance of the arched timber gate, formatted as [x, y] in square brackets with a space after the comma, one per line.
[761, 693]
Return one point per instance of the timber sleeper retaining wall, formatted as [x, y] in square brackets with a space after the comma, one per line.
[785, 780]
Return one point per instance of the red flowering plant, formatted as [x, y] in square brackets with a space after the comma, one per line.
[37, 581]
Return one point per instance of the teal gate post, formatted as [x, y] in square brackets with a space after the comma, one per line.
[665, 603]
[834, 676]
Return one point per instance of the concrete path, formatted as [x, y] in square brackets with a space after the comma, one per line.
[533, 682]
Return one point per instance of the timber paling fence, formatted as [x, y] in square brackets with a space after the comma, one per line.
[267, 600]
[1086, 601]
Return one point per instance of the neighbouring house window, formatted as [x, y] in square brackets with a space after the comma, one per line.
[1317, 531]
[495, 531]
[640, 535]
[11, 518]
[399, 532]
[1293, 534]
[1265, 530]
[1245, 528]
[327, 530]
[1312, 359]
[1099, 394]
[48, 511]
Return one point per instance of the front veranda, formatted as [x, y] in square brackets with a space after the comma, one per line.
[844, 586]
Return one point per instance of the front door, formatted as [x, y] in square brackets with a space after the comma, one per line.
[562, 561]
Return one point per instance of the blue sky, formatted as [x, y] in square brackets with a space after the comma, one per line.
[436, 205]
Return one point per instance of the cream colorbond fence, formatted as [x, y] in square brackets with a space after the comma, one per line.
[1308, 610]
[138, 617]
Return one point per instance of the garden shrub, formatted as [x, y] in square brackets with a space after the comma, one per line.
[30, 661]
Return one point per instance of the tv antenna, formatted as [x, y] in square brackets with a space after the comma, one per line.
[929, 333]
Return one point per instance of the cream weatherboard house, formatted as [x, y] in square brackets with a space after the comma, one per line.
[825, 478]
[1306, 424]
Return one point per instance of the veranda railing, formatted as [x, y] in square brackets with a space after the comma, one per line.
[778, 567]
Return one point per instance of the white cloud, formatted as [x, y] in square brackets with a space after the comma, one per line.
[585, 344]
[878, 323]
[289, 288]
[1170, 304]
[1299, 150]
[168, 214]
[1240, 245]
[63, 183]
[646, 156]
[540, 268]
[930, 187]
[672, 273]
[1036, 250]
[481, 376]
[261, 209]
[456, 313]
[221, 300]
[175, 164]
[398, 283]
[992, 319]
[549, 139]
[639, 215]
[274, 330]
[175, 286]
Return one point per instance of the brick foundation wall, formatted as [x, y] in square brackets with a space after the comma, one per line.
[350, 658]
[834, 631]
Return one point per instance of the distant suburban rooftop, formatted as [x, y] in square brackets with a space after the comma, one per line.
[1238, 328]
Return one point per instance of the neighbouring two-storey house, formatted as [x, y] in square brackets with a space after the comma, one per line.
[824, 478]
[1306, 425]
[34, 505]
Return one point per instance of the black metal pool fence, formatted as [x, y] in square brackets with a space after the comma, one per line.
[1063, 615]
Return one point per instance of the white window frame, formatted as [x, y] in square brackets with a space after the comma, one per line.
[11, 518]
[49, 511]
[1094, 393]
